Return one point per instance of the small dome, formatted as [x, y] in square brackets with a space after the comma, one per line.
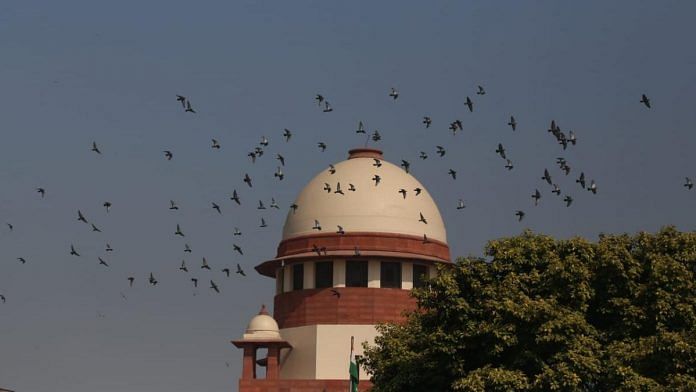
[262, 326]
[370, 208]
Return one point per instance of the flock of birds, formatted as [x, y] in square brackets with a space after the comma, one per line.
[564, 139]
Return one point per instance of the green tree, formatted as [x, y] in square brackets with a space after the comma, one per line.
[541, 314]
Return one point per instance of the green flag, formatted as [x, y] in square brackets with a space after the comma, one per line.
[353, 370]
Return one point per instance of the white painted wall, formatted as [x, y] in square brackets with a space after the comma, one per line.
[373, 274]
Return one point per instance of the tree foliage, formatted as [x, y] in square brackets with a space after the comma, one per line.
[542, 314]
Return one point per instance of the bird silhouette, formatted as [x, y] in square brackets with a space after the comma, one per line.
[187, 248]
[340, 230]
[281, 159]
[536, 196]
[41, 191]
[581, 180]
[264, 141]
[81, 217]
[520, 215]
[226, 271]
[568, 200]
[73, 252]
[512, 123]
[423, 155]
[10, 226]
[327, 187]
[237, 249]
[239, 270]
[460, 204]
[172, 205]
[327, 107]
[247, 179]
[322, 146]
[182, 99]
[22, 260]
[263, 223]
[235, 197]
[102, 262]
[107, 205]
[593, 187]
[95, 228]
[216, 208]
[215, 144]
[287, 134]
[3, 299]
[108, 248]
[406, 165]
[452, 173]
[195, 282]
[418, 191]
[274, 204]
[237, 231]
[205, 265]
[556, 190]
[403, 192]
[152, 279]
[688, 184]
[501, 151]
[183, 266]
[427, 121]
[319, 98]
[645, 101]
[376, 179]
[441, 151]
[508, 164]
[338, 189]
[168, 154]
[95, 148]
[178, 231]
[378, 163]
[393, 93]
[481, 91]
[130, 281]
[189, 109]
[469, 104]
[316, 226]
[351, 187]
[422, 218]
[547, 177]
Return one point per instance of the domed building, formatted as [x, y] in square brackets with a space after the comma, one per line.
[359, 237]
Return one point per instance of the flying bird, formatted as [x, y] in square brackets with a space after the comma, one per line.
[235, 197]
[406, 165]
[263, 223]
[226, 271]
[469, 104]
[319, 98]
[172, 205]
[593, 187]
[178, 231]
[452, 173]
[501, 151]
[332, 169]
[508, 164]
[361, 128]
[182, 99]
[441, 151]
[22, 260]
[287, 134]
[274, 204]
[376, 179]
[10, 226]
[340, 230]
[376, 136]
[645, 101]
[536, 196]
[322, 146]
[237, 231]
[95, 228]
[327, 187]
[403, 192]
[107, 205]
[3, 299]
[393, 93]
[109, 248]
[556, 190]
[102, 262]
[95, 148]
[427, 121]
[351, 187]
[247, 179]
[688, 184]
[168, 154]
[423, 155]
[316, 226]
[327, 107]
[236, 248]
[418, 191]
[264, 141]
[378, 163]
[520, 215]
[215, 144]
[195, 282]
[581, 180]
[183, 266]
[547, 177]
[41, 191]
[338, 189]
[73, 252]
[239, 270]
[512, 123]
[81, 217]
[568, 200]
[481, 91]
[460, 204]
[189, 109]
[217, 208]
[422, 218]
[205, 265]
[281, 159]
[130, 281]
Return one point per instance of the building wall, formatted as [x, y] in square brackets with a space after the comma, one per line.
[322, 351]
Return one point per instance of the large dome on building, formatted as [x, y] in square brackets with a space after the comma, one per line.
[370, 208]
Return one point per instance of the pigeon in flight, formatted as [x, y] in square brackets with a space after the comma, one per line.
[645, 101]
[239, 270]
[688, 184]
[422, 218]
[469, 104]
[547, 177]
[189, 109]
[376, 136]
[441, 151]
[423, 155]
[235, 197]
[572, 138]
[332, 169]
[10, 226]
[427, 121]
[376, 179]
[22, 260]
[264, 141]
[293, 207]
[274, 204]
[73, 252]
[178, 231]
[130, 281]
[195, 282]
[237, 231]
[81, 217]
[327, 187]
[460, 204]
[3, 299]
[183, 266]
[226, 271]
[287, 134]
[319, 98]
[95, 148]
[512, 123]
[556, 190]
[536, 196]
[378, 163]
[452, 173]
[168, 154]
[581, 180]
[217, 208]
[508, 164]
[263, 223]
[182, 99]
[102, 262]
[403, 192]
[405, 165]
[361, 128]
[236, 248]
[393, 93]
[215, 144]
[418, 191]
[568, 200]
[322, 146]
[247, 179]
[327, 107]
[501, 151]
[340, 230]
[108, 248]
[205, 265]
[481, 91]
[593, 187]
[41, 191]
[172, 205]
[107, 205]
[520, 215]
[281, 159]
[338, 189]
[95, 228]
[316, 226]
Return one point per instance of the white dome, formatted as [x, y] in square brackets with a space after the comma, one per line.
[370, 208]
[262, 326]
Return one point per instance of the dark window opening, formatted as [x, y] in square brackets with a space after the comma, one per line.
[356, 273]
[323, 274]
[420, 274]
[390, 274]
[298, 276]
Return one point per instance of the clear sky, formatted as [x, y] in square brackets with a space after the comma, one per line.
[73, 72]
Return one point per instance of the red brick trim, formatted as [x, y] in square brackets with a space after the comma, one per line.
[300, 385]
[357, 305]
[365, 153]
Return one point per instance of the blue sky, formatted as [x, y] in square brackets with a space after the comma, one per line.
[73, 72]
